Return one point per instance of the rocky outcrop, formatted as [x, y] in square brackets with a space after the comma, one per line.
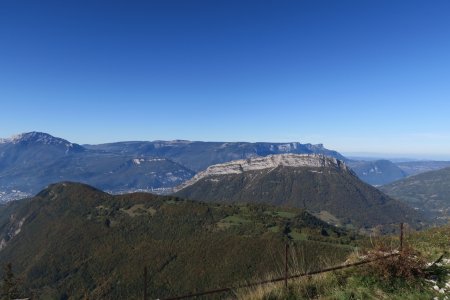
[268, 162]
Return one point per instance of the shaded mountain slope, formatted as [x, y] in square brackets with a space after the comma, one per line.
[32, 149]
[377, 172]
[31, 161]
[312, 182]
[429, 191]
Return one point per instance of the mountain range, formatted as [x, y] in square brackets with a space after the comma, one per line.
[31, 161]
[417, 167]
[197, 156]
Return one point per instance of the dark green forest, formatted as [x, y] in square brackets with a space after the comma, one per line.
[76, 242]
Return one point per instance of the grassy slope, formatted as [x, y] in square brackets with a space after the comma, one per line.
[78, 241]
[363, 283]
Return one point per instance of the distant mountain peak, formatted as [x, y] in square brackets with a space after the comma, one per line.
[68, 187]
[35, 137]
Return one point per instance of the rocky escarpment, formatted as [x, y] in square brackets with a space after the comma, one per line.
[268, 162]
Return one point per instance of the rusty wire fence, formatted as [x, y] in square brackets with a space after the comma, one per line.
[284, 278]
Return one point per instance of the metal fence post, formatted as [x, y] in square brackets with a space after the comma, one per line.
[401, 237]
[286, 266]
[145, 283]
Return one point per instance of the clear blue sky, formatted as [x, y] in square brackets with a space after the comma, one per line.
[358, 76]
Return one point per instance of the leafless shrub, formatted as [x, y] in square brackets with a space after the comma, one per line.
[408, 264]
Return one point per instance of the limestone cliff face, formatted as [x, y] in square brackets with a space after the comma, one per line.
[268, 162]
